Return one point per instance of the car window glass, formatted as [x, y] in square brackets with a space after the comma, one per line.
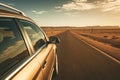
[12, 46]
[35, 34]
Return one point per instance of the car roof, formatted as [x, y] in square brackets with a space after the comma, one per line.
[8, 11]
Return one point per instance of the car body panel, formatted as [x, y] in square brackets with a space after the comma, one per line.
[50, 60]
[37, 64]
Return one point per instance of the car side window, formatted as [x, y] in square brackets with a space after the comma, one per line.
[12, 47]
[35, 34]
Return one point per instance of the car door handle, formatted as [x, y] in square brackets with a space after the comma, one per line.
[44, 64]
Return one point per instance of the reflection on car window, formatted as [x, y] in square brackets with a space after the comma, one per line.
[35, 34]
[12, 47]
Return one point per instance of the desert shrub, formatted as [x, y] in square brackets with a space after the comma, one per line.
[114, 37]
[105, 36]
[116, 45]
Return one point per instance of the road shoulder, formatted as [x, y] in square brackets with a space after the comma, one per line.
[105, 48]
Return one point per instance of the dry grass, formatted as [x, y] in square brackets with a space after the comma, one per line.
[109, 36]
[107, 40]
[52, 31]
[104, 36]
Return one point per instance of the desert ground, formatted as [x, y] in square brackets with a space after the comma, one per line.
[107, 40]
[87, 53]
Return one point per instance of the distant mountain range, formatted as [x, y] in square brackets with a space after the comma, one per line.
[85, 27]
[103, 27]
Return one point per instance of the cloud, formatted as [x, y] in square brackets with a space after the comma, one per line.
[83, 5]
[39, 12]
[112, 5]
[77, 6]
[71, 14]
[80, 0]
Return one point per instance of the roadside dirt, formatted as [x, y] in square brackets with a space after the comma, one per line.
[113, 51]
[108, 40]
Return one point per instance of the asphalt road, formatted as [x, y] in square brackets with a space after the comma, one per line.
[78, 61]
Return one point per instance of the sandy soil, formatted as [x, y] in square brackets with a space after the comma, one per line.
[106, 40]
[113, 51]
[110, 38]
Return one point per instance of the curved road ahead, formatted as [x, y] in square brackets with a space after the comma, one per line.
[78, 61]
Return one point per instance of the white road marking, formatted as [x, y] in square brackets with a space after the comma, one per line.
[114, 59]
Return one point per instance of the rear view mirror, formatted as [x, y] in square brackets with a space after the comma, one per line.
[54, 40]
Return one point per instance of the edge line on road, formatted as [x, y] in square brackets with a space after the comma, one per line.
[114, 59]
[107, 55]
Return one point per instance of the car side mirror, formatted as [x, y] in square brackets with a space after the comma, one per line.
[54, 40]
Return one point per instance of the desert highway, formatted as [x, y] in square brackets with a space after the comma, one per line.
[79, 61]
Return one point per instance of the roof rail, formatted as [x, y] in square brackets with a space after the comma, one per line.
[11, 9]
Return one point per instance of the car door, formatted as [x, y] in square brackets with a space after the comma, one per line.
[45, 52]
[14, 53]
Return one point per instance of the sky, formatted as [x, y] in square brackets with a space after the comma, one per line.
[70, 12]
